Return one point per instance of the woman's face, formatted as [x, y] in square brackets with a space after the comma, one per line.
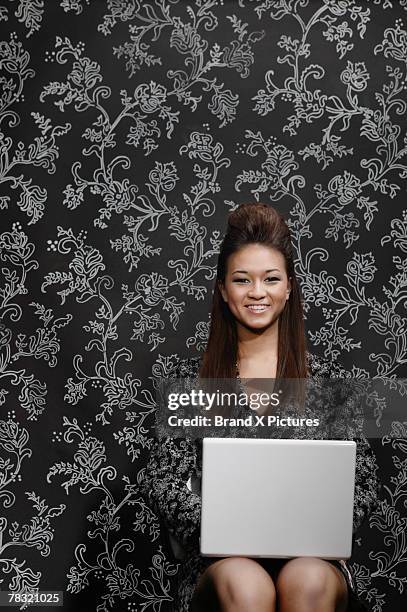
[256, 286]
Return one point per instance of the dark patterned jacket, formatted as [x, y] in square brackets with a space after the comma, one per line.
[175, 462]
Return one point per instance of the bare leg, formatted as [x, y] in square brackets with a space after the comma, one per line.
[234, 584]
[308, 584]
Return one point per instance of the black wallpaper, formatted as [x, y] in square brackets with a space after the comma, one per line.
[128, 131]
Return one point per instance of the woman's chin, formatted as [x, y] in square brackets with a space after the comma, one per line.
[258, 325]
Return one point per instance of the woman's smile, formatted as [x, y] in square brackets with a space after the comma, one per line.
[257, 308]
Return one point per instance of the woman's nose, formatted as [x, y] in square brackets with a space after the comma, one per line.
[257, 290]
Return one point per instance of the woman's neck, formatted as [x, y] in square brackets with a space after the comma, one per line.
[257, 353]
[257, 346]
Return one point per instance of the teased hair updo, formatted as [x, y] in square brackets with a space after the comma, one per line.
[255, 223]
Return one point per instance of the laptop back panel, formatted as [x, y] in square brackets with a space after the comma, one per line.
[277, 498]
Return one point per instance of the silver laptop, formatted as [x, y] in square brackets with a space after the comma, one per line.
[277, 498]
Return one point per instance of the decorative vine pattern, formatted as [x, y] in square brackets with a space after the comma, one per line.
[126, 136]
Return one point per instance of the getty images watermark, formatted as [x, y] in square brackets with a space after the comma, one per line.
[210, 402]
[298, 408]
[323, 408]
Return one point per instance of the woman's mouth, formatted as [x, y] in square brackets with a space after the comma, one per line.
[257, 308]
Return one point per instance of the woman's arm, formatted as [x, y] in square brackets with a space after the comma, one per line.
[164, 487]
[367, 483]
[171, 463]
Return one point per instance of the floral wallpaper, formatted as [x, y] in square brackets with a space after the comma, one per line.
[128, 131]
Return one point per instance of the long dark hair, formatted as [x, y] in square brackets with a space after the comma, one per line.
[255, 223]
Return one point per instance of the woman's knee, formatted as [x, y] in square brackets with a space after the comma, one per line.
[235, 583]
[311, 580]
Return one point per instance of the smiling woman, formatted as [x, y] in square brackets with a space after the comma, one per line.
[257, 322]
[257, 331]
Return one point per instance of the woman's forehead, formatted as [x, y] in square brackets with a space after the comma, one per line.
[256, 257]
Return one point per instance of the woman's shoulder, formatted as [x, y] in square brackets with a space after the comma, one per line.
[319, 366]
[187, 367]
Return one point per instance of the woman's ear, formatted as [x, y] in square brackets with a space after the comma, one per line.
[222, 291]
[288, 288]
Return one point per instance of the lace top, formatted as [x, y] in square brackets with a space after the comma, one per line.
[173, 462]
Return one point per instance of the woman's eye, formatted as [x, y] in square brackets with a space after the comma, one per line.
[244, 280]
